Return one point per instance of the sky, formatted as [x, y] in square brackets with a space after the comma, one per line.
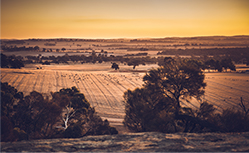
[23, 19]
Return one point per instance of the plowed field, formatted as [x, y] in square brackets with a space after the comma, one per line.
[105, 89]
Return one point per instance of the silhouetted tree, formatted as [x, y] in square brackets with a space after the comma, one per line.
[156, 106]
[115, 66]
[63, 49]
[133, 61]
[227, 63]
[177, 79]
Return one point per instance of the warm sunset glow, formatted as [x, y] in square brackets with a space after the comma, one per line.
[122, 19]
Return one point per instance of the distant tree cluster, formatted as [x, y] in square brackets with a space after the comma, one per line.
[23, 48]
[157, 105]
[11, 61]
[67, 114]
[235, 54]
[17, 62]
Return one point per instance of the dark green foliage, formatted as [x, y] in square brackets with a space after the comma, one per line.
[134, 61]
[157, 106]
[74, 131]
[11, 62]
[146, 110]
[228, 64]
[177, 79]
[6, 129]
[115, 66]
[35, 117]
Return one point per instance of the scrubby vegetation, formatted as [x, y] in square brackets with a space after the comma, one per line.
[67, 114]
[11, 61]
[157, 105]
[219, 64]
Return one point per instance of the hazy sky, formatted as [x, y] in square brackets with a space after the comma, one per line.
[122, 18]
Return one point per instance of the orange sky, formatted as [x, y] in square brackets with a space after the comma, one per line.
[21, 19]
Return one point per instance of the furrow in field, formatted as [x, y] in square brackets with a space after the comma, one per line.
[13, 79]
[108, 81]
[30, 84]
[59, 80]
[217, 82]
[85, 91]
[51, 82]
[114, 86]
[134, 82]
[114, 90]
[229, 92]
[3, 75]
[235, 81]
[127, 85]
[39, 82]
[6, 78]
[19, 82]
[12, 76]
[98, 92]
[130, 82]
[36, 86]
[220, 99]
[90, 97]
[64, 80]
[43, 81]
[112, 100]
[57, 88]
[37, 76]
[24, 84]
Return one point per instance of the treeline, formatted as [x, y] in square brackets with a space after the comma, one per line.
[23, 48]
[67, 114]
[18, 61]
[236, 54]
[11, 61]
[157, 105]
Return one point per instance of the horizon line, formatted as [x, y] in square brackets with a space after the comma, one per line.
[102, 38]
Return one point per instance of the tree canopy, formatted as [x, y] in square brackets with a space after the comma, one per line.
[176, 79]
[66, 114]
[157, 105]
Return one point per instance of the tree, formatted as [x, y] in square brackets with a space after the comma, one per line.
[35, 116]
[36, 48]
[156, 106]
[148, 110]
[63, 49]
[74, 105]
[213, 64]
[133, 61]
[4, 61]
[176, 79]
[78, 117]
[115, 66]
[227, 63]
[11, 61]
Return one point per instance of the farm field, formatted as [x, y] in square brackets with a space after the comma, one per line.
[105, 89]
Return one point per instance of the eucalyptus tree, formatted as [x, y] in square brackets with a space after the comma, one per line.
[177, 79]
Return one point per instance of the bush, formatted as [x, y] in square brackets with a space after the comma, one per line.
[234, 121]
[37, 117]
